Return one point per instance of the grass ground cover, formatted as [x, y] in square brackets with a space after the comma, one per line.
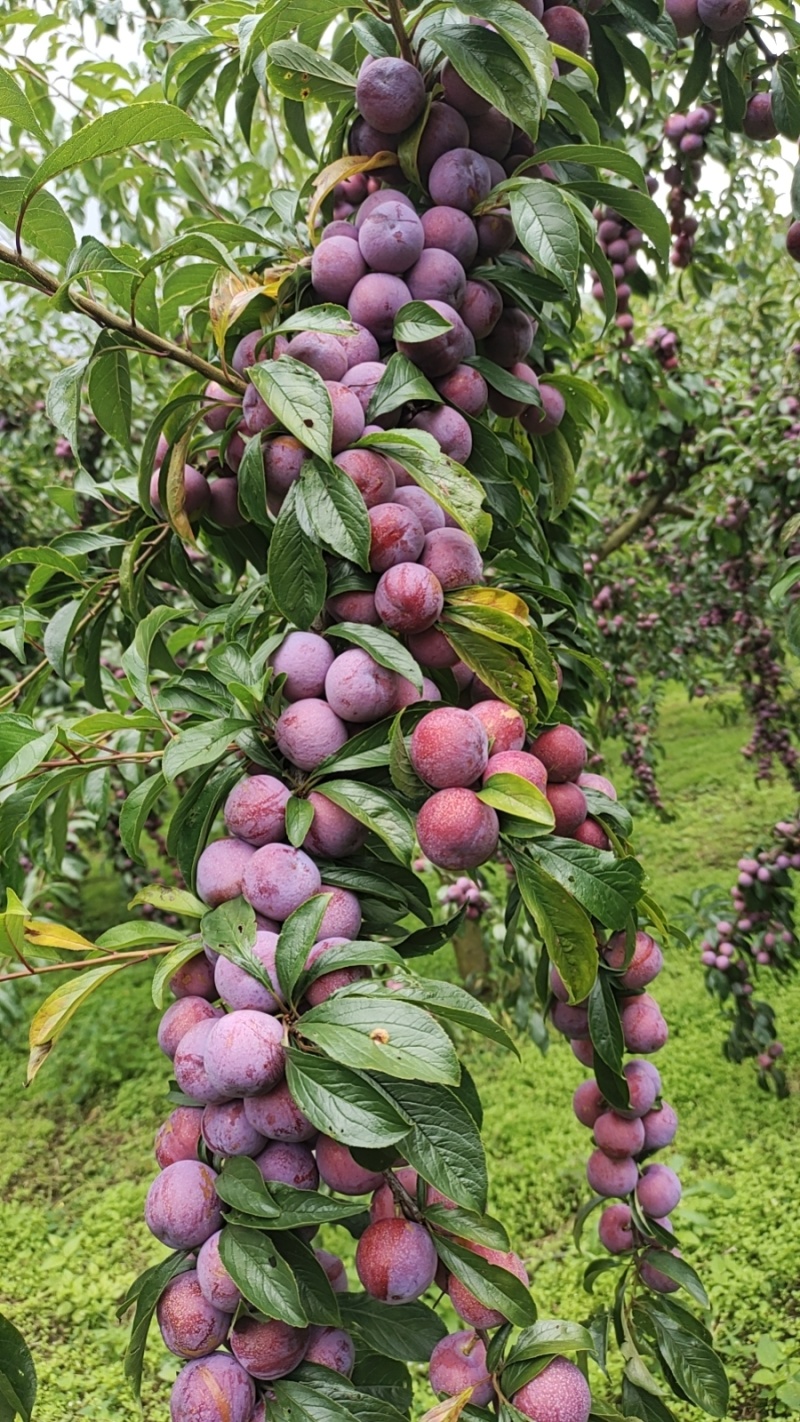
[75, 1150]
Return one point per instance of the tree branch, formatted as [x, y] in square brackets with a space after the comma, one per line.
[396, 17]
[637, 520]
[109, 320]
[65, 967]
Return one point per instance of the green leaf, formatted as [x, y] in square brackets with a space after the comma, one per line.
[695, 1366]
[494, 1286]
[231, 931]
[448, 1000]
[376, 809]
[732, 94]
[135, 812]
[112, 132]
[419, 321]
[253, 484]
[640, 1403]
[297, 937]
[63, 400]
[786, 97]
[596, 155]
[605, 1026]
[400, 383]
[511, 76]
[407, 1332]
[59, 1008]
[178, 901]
[30, 754]
[452, 486]
[299, 816]
[548, 230]
[182, 953]
[607, 887]
[495, 664]
[109, 388]
[345, 1104]
[504, 381]
[15, 107]
[383, 1034]
[297, 396]
[296, 568]
[148, 1290]
[200, 745]
[677, 1269]
[515, 796]
[384, 649]
[444, 1144]
[561, 469]
[241, 1185]
[548, 1337]
[317, 1299]
[331, 510]
[17, 1370]
[47, 226]
[299, 72]
[564, 927]
[262, 1274]
[636, 207]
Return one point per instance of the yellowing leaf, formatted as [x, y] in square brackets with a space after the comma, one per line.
[336, 172]
[55, 935]
[450, 1409]
[56, 1011]
[230, 294]
[498, 598]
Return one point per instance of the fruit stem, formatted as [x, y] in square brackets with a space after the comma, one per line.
[396, 16]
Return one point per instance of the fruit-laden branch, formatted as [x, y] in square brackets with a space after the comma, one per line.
[631, 525]
[109, 320]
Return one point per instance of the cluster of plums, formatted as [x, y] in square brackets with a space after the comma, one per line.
[665, 345]
[719, 17]
[686, 133]
[619, 241]
[762, 928]
[624, 1139]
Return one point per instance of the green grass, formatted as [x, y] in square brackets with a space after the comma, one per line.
[75, 1149]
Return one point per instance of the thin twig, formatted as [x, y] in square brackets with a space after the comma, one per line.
[137, 957]
[396, 17]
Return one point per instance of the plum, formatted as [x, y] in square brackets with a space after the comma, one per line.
[460, 95]
[391, 238]
[509, 339]
[660, 1127]
[684, 16]
[363, 380]
[255, 810]
[408, 598]
[456, 830]
[240, 989]
[333, 832]
[190, 1326]
[357, 687]
[348, 416]
[591, 833]
[536, 421]
[459, 178]
[375, 301]
[618, 1136]
[453, 556]
[397, 536]
[447, 229]
[481, 311]
[342, 917]
[179, 1017]
[440, 354]
[407, 694]
[353, 607]
[572, 1019]
[247, 353]
[256, 413]
[375, 199]
[491, 134]
[182, 1208]
[289, 1163]
[338, 228]
[396, 1260]
[470, 1308]
[432, 649]
[437, 276]
[179, 1136]
[268, 1348]
[568, 804]
[218, 404]
[303, 658]
[331, 1348]
[321, 351]
[560, 1392]
[450, 430]
[227, 1131]
[645, 964]
[465, 388]
[643, 1026]
[420, 503]
[445, 128]
[449, 747]
[390, 93]
[360, 347]
[277, 1116]
[507, 405]
[722, 16]
[504, 725]
[516, 762]
[611, 1177]
[341, 1172]
[244, 1053]
[280, 878]
[496, 233]
[283, 458]
[615, 1229]
[655, 1278]
[588, 1103]
[562, 751]
[308, 732]
[216, 1284]
[644, 1085]
[759, 120]
[658, 1191]
[457, 1362]
[336, 267]
[220, 870]
[335, 1270]
[567, 27]
[212, 1389]
[189, 1065]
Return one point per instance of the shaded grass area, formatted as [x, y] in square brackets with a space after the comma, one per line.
[75, 1149]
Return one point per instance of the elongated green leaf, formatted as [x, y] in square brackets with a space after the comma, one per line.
[495, 69]
[147, 1291]
[299, 72]
[383, 1035]
[317, 1299]
[605, 1025]
[135, 812]
[15, 107]
[496, 1287]
[408, 1332]
[262, 1274]
[450, 484]
[297, 396]
[332, 511]
[344, 1104]
[400, 383]
[444, 1144]
[419, 321]
[547, 228]
[376, 809]
[200, 745]
[607, 887]
[296, 567]
[297, 937]
[516, 796]
[47, 226]
[695, 1365]
[384, 649]
[57, 1010]
[564, 927]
